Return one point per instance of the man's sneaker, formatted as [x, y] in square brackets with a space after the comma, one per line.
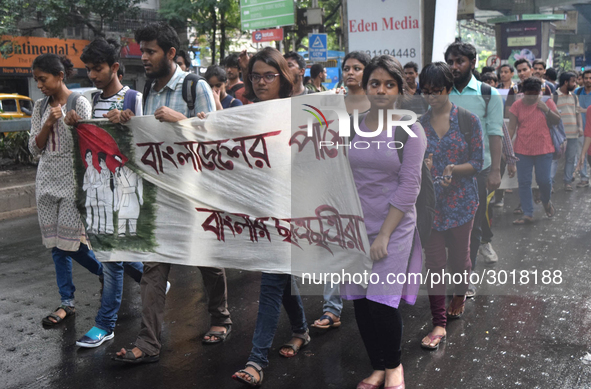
[94, 338]
[499, 204]
[583, 184]
[167, 287]
[488, 253]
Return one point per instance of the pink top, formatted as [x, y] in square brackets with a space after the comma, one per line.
[533, 134]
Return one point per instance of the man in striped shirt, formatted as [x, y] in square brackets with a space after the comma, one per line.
[159, 43]
[567, 104]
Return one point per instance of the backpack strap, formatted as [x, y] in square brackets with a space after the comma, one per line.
[72, 100]
[95, 98]
[147, 87]
[190, 90]
[232, 91]
[579, 91]
[400, 136]
[485, 91]
[44, 105]
[465, 123]
[129, 100]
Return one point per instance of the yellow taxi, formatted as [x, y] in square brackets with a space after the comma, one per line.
[15, 106]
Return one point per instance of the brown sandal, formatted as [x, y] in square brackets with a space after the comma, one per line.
[549, 208]
[523, 220]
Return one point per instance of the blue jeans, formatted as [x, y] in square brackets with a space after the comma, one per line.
[525, 165]
[584, 175]
[333, 302]
[63, 269]
[571, 156]
[113, 290]
[275, 290]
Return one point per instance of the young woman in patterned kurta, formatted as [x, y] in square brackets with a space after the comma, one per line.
[388, 190]
[60, 222]
[454, 163]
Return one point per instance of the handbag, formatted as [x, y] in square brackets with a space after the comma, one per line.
[558, 136]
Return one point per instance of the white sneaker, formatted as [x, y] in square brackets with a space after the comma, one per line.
[488, 253]
[168, 286]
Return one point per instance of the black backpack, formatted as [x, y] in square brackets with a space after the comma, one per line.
[232, 91]
[426, 199]
[189, 90]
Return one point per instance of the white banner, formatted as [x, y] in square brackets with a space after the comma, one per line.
[235, 190]
[391, 27]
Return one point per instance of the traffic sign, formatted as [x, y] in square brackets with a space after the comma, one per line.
[317, 47]
[257, 14]
[493, 61]
[275, 34]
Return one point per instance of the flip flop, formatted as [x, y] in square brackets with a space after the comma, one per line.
[431, 339]
[221, 336]
[523, 220]
[549, 208]
[129, 357]
[331, 323]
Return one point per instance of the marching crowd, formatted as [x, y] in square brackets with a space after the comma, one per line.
[473, 129]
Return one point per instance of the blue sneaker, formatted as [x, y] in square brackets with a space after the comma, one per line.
[94, 338]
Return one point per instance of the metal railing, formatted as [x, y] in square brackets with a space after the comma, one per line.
[15, 125]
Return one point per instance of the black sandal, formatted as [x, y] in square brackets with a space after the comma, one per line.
[305, 337]
[129, 357]
[70, 311]
[253, 381]
[221, 336]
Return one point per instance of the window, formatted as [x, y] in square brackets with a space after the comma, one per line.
[8, 105]
[26, 107]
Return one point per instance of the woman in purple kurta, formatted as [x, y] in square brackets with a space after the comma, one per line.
[388, 192]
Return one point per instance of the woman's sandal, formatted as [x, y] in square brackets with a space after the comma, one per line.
[432, 338]
[70, 311]
[523, 220]
[129, 357]
[305, 337]
[549, 208]
[253, 381]
[455, 307]
[221, 336]
[331, 323]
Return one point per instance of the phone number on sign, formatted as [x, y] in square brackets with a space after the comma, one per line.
[407, 53]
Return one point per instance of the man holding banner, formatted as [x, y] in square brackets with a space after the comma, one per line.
[159, 44]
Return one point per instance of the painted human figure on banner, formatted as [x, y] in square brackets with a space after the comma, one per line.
[105, 197]
[128, 198]
[91, 183]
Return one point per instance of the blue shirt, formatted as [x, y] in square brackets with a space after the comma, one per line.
[456, 204]
[492, 124]
[171, 96]
[584, 101]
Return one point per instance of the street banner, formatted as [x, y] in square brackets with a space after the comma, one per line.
[236, 190]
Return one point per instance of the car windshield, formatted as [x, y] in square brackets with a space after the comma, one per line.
[8, 105]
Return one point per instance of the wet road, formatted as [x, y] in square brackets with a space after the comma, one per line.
[534, 336]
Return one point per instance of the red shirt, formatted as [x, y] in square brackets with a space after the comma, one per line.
[533, 134]
[588, 127]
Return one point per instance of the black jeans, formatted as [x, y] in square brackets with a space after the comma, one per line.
[380, 327]
[478, 232]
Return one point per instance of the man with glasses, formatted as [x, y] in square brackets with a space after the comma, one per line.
[461, 57]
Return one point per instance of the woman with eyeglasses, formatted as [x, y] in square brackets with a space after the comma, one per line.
[267, 77]
[455, 156]
[388, 186]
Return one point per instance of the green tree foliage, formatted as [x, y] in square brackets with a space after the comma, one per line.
[55, 15]
[217, 20]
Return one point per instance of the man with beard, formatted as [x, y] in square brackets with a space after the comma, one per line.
[583, 94]
[235, 87]
[297, 66]
[461, 57]
[567, 104]
[524, 71]
[159, 43]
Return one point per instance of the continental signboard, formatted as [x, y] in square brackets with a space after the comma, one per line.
[18, 53]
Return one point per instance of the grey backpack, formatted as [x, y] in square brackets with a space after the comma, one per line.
[70, 104]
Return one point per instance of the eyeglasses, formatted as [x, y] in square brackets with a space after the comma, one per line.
[433, 92]
[268, 77]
